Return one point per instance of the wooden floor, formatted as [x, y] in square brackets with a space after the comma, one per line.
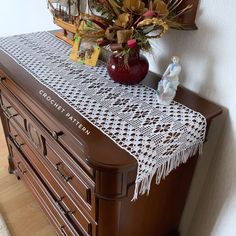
[21, 212]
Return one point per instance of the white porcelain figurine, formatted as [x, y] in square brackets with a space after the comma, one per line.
[167, 86]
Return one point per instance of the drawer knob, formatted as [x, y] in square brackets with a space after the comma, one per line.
[62, 173]
[62, 210]
[56, 135]
[20, 169]
[5, 107]
[18, 145]
[2, 78]
[8, 115]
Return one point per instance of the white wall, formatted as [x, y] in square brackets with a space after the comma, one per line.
[24, 16]
[208, 60]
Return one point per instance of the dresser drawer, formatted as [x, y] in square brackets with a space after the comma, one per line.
[71, 177]
[63, 200]
[18, 141]
[10, 112]
[66, 168]
[22, 120]
[73, 145]
[26, 173]
[74, 179]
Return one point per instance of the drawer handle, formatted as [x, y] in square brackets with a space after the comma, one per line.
[60, 207]
[17, 144]
[62, 172]
[5, 108]
[18, 166]
[8, 115]
[2, 78]
[56, 135]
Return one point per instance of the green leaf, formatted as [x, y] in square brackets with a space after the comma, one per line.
[148, 29]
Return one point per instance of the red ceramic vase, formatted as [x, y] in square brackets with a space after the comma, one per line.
[131, 73]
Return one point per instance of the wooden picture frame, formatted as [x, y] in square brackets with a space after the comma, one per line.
[188, 19]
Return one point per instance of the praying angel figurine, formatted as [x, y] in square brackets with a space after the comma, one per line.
[169, 82]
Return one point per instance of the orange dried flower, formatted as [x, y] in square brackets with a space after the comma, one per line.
[160, 7]
[134, 6]
[123, 20]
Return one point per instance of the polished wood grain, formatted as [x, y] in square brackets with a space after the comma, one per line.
[20, 210]
[111, 169]
[98, 157]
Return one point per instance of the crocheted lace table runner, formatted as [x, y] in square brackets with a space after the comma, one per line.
[159, 137]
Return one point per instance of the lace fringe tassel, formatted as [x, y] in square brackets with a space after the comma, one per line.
[143, 186]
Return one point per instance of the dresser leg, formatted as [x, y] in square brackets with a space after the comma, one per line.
[11, 167]
[109, 209]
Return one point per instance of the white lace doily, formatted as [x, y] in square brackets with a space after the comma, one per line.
[159, 137]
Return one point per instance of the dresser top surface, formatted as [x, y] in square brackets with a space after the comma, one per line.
[103, 151]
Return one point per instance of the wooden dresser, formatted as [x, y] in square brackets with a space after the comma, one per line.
[83, 180]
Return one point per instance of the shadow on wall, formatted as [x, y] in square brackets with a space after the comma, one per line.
[217, 192]
[201, 172]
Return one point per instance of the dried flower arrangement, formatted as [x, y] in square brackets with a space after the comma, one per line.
[129, 24]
